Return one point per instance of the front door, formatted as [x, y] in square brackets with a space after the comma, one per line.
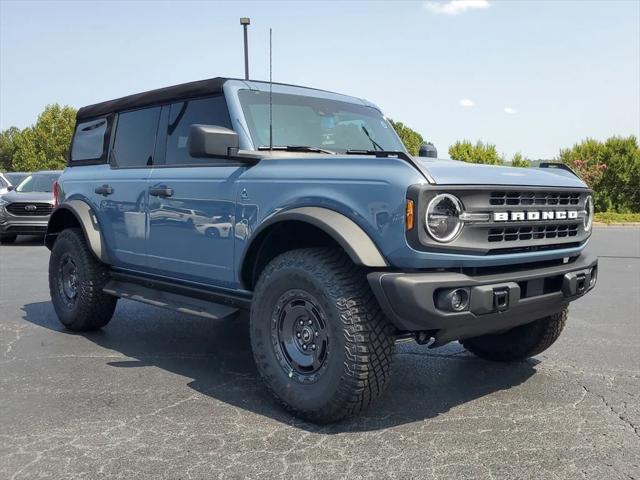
[121, 195]
[192, 201]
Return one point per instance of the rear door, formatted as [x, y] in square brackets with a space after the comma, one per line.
[121, 194]
[192, 200]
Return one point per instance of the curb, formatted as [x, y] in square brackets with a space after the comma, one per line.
[606, 225]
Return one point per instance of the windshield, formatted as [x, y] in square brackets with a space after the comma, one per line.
[42, 182]
[316, 122]
[16, 178]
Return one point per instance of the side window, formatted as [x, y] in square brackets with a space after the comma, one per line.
[89, 140]
[206, 111]
[135, 140]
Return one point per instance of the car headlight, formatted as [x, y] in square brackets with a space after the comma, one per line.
[442, 219]
[588, 213]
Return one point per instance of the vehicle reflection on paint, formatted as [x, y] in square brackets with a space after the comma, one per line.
[208, 218]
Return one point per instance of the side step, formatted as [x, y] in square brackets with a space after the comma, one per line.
[170, 300]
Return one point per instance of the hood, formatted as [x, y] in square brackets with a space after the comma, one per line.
[454, 172]
[14, 196]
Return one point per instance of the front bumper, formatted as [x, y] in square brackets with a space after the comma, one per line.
[19, 225]
[409, 299]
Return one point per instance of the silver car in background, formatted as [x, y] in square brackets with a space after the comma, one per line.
[25, 210]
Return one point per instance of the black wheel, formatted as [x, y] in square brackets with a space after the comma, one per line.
[212, 233]
[7, 239]
[76, 279]
[519, 343]
[319, 338]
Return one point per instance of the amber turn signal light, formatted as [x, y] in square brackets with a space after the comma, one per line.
[409, 214]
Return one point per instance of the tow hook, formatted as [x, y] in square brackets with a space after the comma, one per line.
[501, 299]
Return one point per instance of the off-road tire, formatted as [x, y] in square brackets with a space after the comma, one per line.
[7, 239]
[360, 337]
[91, 309]
[519, 343]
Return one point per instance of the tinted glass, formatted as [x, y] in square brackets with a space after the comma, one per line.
[136, 138]
[3, 184]
[16, 178]
[41, 182]
[88, 140]
[317, 122]
[206, 111]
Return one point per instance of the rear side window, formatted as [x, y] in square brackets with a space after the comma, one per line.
[135, 139]
[205, 111]
[89, 140]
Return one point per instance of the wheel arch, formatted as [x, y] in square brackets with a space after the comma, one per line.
[306, 227]
[76, 214]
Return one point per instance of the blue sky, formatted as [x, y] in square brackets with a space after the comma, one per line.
[528, 76]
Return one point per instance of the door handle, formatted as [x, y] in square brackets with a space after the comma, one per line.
[161, 191]
[104, 190]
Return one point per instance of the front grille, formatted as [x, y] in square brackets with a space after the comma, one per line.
[29, 209]
[516, 198]
[536, 232]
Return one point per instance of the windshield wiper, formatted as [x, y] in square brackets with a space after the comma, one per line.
[379, 153]
[297, 148]
[394, 153]
[375, 144]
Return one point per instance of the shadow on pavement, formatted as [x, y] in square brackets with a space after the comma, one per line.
[26, 241]
[217, 356]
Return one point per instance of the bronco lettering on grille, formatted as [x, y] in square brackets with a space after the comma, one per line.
[535, 215]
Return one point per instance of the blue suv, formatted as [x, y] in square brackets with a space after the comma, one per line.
[304, 207]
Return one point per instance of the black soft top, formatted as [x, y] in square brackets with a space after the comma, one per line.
[200, 88]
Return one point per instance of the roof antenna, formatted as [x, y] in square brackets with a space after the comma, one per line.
[270, 93]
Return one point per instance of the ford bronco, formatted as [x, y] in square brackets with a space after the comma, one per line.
[304, 207]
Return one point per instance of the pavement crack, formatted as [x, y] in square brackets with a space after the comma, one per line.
[635, 428]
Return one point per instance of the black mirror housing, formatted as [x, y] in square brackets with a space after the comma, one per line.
[212, 141]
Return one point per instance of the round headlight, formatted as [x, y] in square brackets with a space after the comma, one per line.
[588, 215]
[442, 217]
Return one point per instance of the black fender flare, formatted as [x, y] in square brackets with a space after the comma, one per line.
[88, 221]
[347, 233]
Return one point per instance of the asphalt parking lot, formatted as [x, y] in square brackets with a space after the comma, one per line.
[160, 395]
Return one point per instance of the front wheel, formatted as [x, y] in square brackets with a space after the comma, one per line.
[76, 280]
[319, 338]
[519, 343]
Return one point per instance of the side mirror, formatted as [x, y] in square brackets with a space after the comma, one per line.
[10, 188]
[428, 150]
[212, 141]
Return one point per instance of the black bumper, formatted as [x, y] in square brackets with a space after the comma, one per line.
[409, 299]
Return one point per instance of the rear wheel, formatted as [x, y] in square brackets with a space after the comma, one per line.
[7, 239]
[319, 338]
[76, 279]
[519, 343]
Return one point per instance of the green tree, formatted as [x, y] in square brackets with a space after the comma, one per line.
[478, 153]
[611, 169]
[7, 147]
[410, 138]
[44, 145]
[519, 160]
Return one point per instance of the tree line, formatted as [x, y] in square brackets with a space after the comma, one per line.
[611, 168]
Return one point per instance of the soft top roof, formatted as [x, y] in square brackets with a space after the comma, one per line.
[200, 88]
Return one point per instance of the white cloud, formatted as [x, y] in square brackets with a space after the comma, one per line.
[465, 102]
[455, 7]
[510, 110]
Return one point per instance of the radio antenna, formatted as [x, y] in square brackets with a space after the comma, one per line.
[270, 93]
